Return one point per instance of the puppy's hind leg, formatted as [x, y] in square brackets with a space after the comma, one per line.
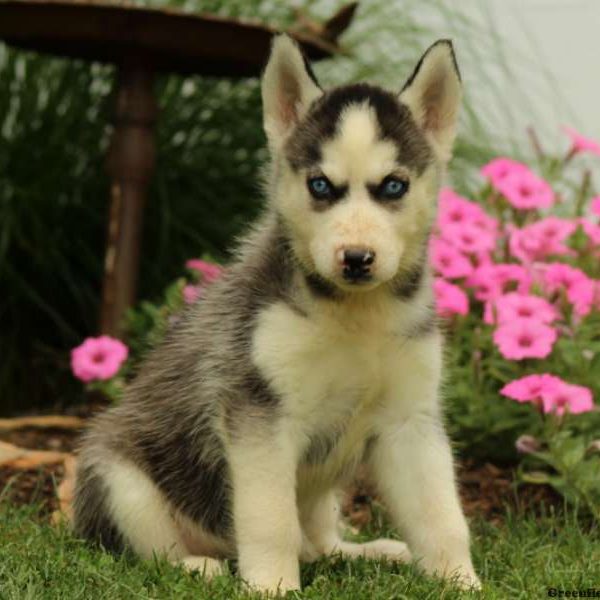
[322, 529]
[146, 521]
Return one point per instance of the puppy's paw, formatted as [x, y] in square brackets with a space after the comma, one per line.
[389, 549]
[464, 577]
[468, 580]
[207, 567]
[460, 573]
[271, 586]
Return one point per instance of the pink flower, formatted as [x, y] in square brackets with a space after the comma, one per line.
[595, 205]
[485, 282]
[456, 210]
[469, 238]
[525, 247]
[553, 232]
[448, 260]
[524, 190]
[512, 306]
[556, 276]
[541, 239]
[450, 299]
[191, 293]
[98, 358]
[554, 394]
[579, 143]
[581, 295]
[506, 273]
[563, 397]
[530, 387]
[500, 168]
[209, 271]
[524, 338]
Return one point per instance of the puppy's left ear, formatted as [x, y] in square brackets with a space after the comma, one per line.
[288, 89]
[433, 93]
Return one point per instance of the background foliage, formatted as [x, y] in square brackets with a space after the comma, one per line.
[54, 127]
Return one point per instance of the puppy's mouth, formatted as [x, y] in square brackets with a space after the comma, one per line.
[356, 277]
[357, 282]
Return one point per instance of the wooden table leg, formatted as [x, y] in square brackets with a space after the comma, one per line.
[130, 164]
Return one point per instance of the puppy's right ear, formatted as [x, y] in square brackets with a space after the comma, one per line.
[288, 89]
[433, 93]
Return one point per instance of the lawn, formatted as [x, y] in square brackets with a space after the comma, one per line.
[521, 558]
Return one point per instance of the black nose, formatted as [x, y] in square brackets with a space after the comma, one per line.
[358, 258]
[357, 262]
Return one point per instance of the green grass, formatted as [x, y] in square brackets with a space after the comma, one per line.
[520, 559]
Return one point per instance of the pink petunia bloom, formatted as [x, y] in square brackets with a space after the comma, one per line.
[448, 261]
[508, 273]
[580, 143]
[485, 282]
[98, 358]
[456, 210]
[524, 190]
[581, 295]
[541, 239]
[530, 387]
[500, 168]
[554, 394]
[209, 271]
[513, 305]
[469, 238]
[449, 298]
[575, 399]
[524, 247]
[524, 338]
[191, 293]
[595, 206]
[554, 232]
[556, 276]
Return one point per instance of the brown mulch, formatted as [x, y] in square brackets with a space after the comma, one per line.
[32, 486]
[486, 489]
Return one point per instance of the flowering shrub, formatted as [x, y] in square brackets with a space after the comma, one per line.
[517, 270]
[519, 291]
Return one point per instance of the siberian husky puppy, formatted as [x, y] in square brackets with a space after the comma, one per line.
[317, 351]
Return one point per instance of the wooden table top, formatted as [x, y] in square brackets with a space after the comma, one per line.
[167, 39]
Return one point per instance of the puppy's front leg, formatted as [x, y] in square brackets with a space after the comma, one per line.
[412, 463]
[265, 514]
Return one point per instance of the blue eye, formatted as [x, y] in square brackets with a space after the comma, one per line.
[393, 188]
[320, 187]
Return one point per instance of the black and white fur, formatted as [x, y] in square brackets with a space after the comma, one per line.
[241, 426]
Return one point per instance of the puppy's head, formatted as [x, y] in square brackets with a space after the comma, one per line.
[356, 169]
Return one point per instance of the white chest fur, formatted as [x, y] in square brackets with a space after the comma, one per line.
[333, 371]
